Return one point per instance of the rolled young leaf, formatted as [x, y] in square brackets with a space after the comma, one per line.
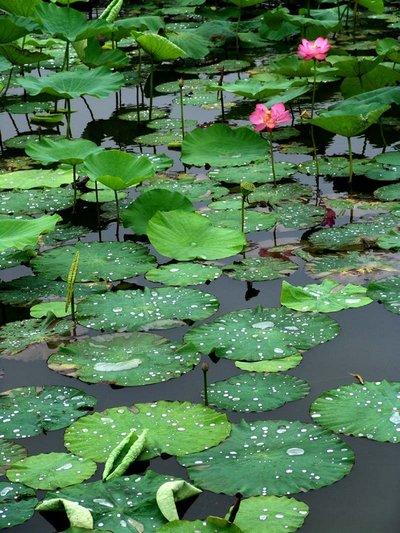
[124, 454]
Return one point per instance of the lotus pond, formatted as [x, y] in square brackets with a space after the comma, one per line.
[200, 275]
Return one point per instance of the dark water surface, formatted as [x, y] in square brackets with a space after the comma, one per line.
[367, 500]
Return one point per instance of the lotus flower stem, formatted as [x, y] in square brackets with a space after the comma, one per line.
[117, 206]
[181, 83]
[382, 136]
[68, 118]
[137, 104]
[151, 88]
[271, 152]
[8, 82]
[235, 508]
[221, 95]
[237, 30]
[350, 160]
[205, 370]
[65, 65]
[242, 213]
[314, 88]
[355, 18]
[315, 155]
[96, 191]
[74, 185]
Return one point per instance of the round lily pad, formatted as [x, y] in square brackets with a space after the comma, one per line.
[256, 392]
[211, 524]
[10, 453]
[183, 274]
[36, 178]
[232, 218]
[222, 146]
[29, 411]
[275, 457]
[388, 192]
[298, 215]
[176, 428]
[124, 359]
[260, 269]
[281, 193]
[253, 173]
[271, 365]
[144, 115]
[262, 333]
[35, 201]
[388, 292]
[328, 297]
[195, 189]
[271, 514]
[97, 261]
[48, 471]
[151, 309]
[371, 410]
[16, 336]
[17, 504]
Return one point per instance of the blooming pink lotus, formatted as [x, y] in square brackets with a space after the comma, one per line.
[268, 119]
[317, 49]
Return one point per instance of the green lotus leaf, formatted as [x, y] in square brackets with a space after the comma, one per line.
[56, 307]
[271, 365]
[328, 297]
[260, 269]
[158, 47]
[370, 410]
[293, 457]
[253, 173]
[232, 218]
[349, 120]
[68, 24]
[103, 196]
[256, 392]
[337, 166]
[195, 190]
[123, 504]
[222, 146]
[227, 65]
[97, 261]
[390, 241]
[183, 274]
[35, 201]
[137, 215]
[21, 57]
[262, 333]
[212, 524]
[21, 8]
[10, 30]
[123, 455]
[98, 82]
[281, 193]
[29, 411]
[388, 292]
[151, 309]
[271, 514]
[118, 170]
[195, 45]
[388, 193]
[231, 201]
[69, 151]
[144, 115]
[171, 492]
[29, 290]
[18, 233]
[172, 138]
[167, 124]
[124, 359]
[296, 215]
[176, 428]
[17, 503]
[355, 234]
[184, 236]
[48, 471]
[10, 453]
[35, 178]
[79, 517]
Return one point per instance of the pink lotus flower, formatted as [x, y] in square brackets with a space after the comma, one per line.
[317, 49]
[268, 119]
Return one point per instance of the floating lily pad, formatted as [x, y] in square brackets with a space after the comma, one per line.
[271, 514]
[35, 201]
[328, 297]
[123, 504]
[211, 524]
[195, 190]
[271, 365]
[271, 457]
[176, 428]
[97, 261]
[335, 167]
[17, 504]
[256, 392]
[280, 193]
[56, 307]
[262, 333]
[13, 258]
[144, 115]
[388, 192]
[151, 309]
[184, 236]
[19, 233]
[183, 274]
[35, 179]
[370, 410]
[232, 218]
[228, 65]
[260, 269]
[299, 215]
[48, 471]
[391, 241]
[171, 124]
[161, 138]
[10, 453]
[253, 173]
[387, 292]
[222, 146]
[124, 359]
[29, 411]
[16, 336]
[20, 141]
